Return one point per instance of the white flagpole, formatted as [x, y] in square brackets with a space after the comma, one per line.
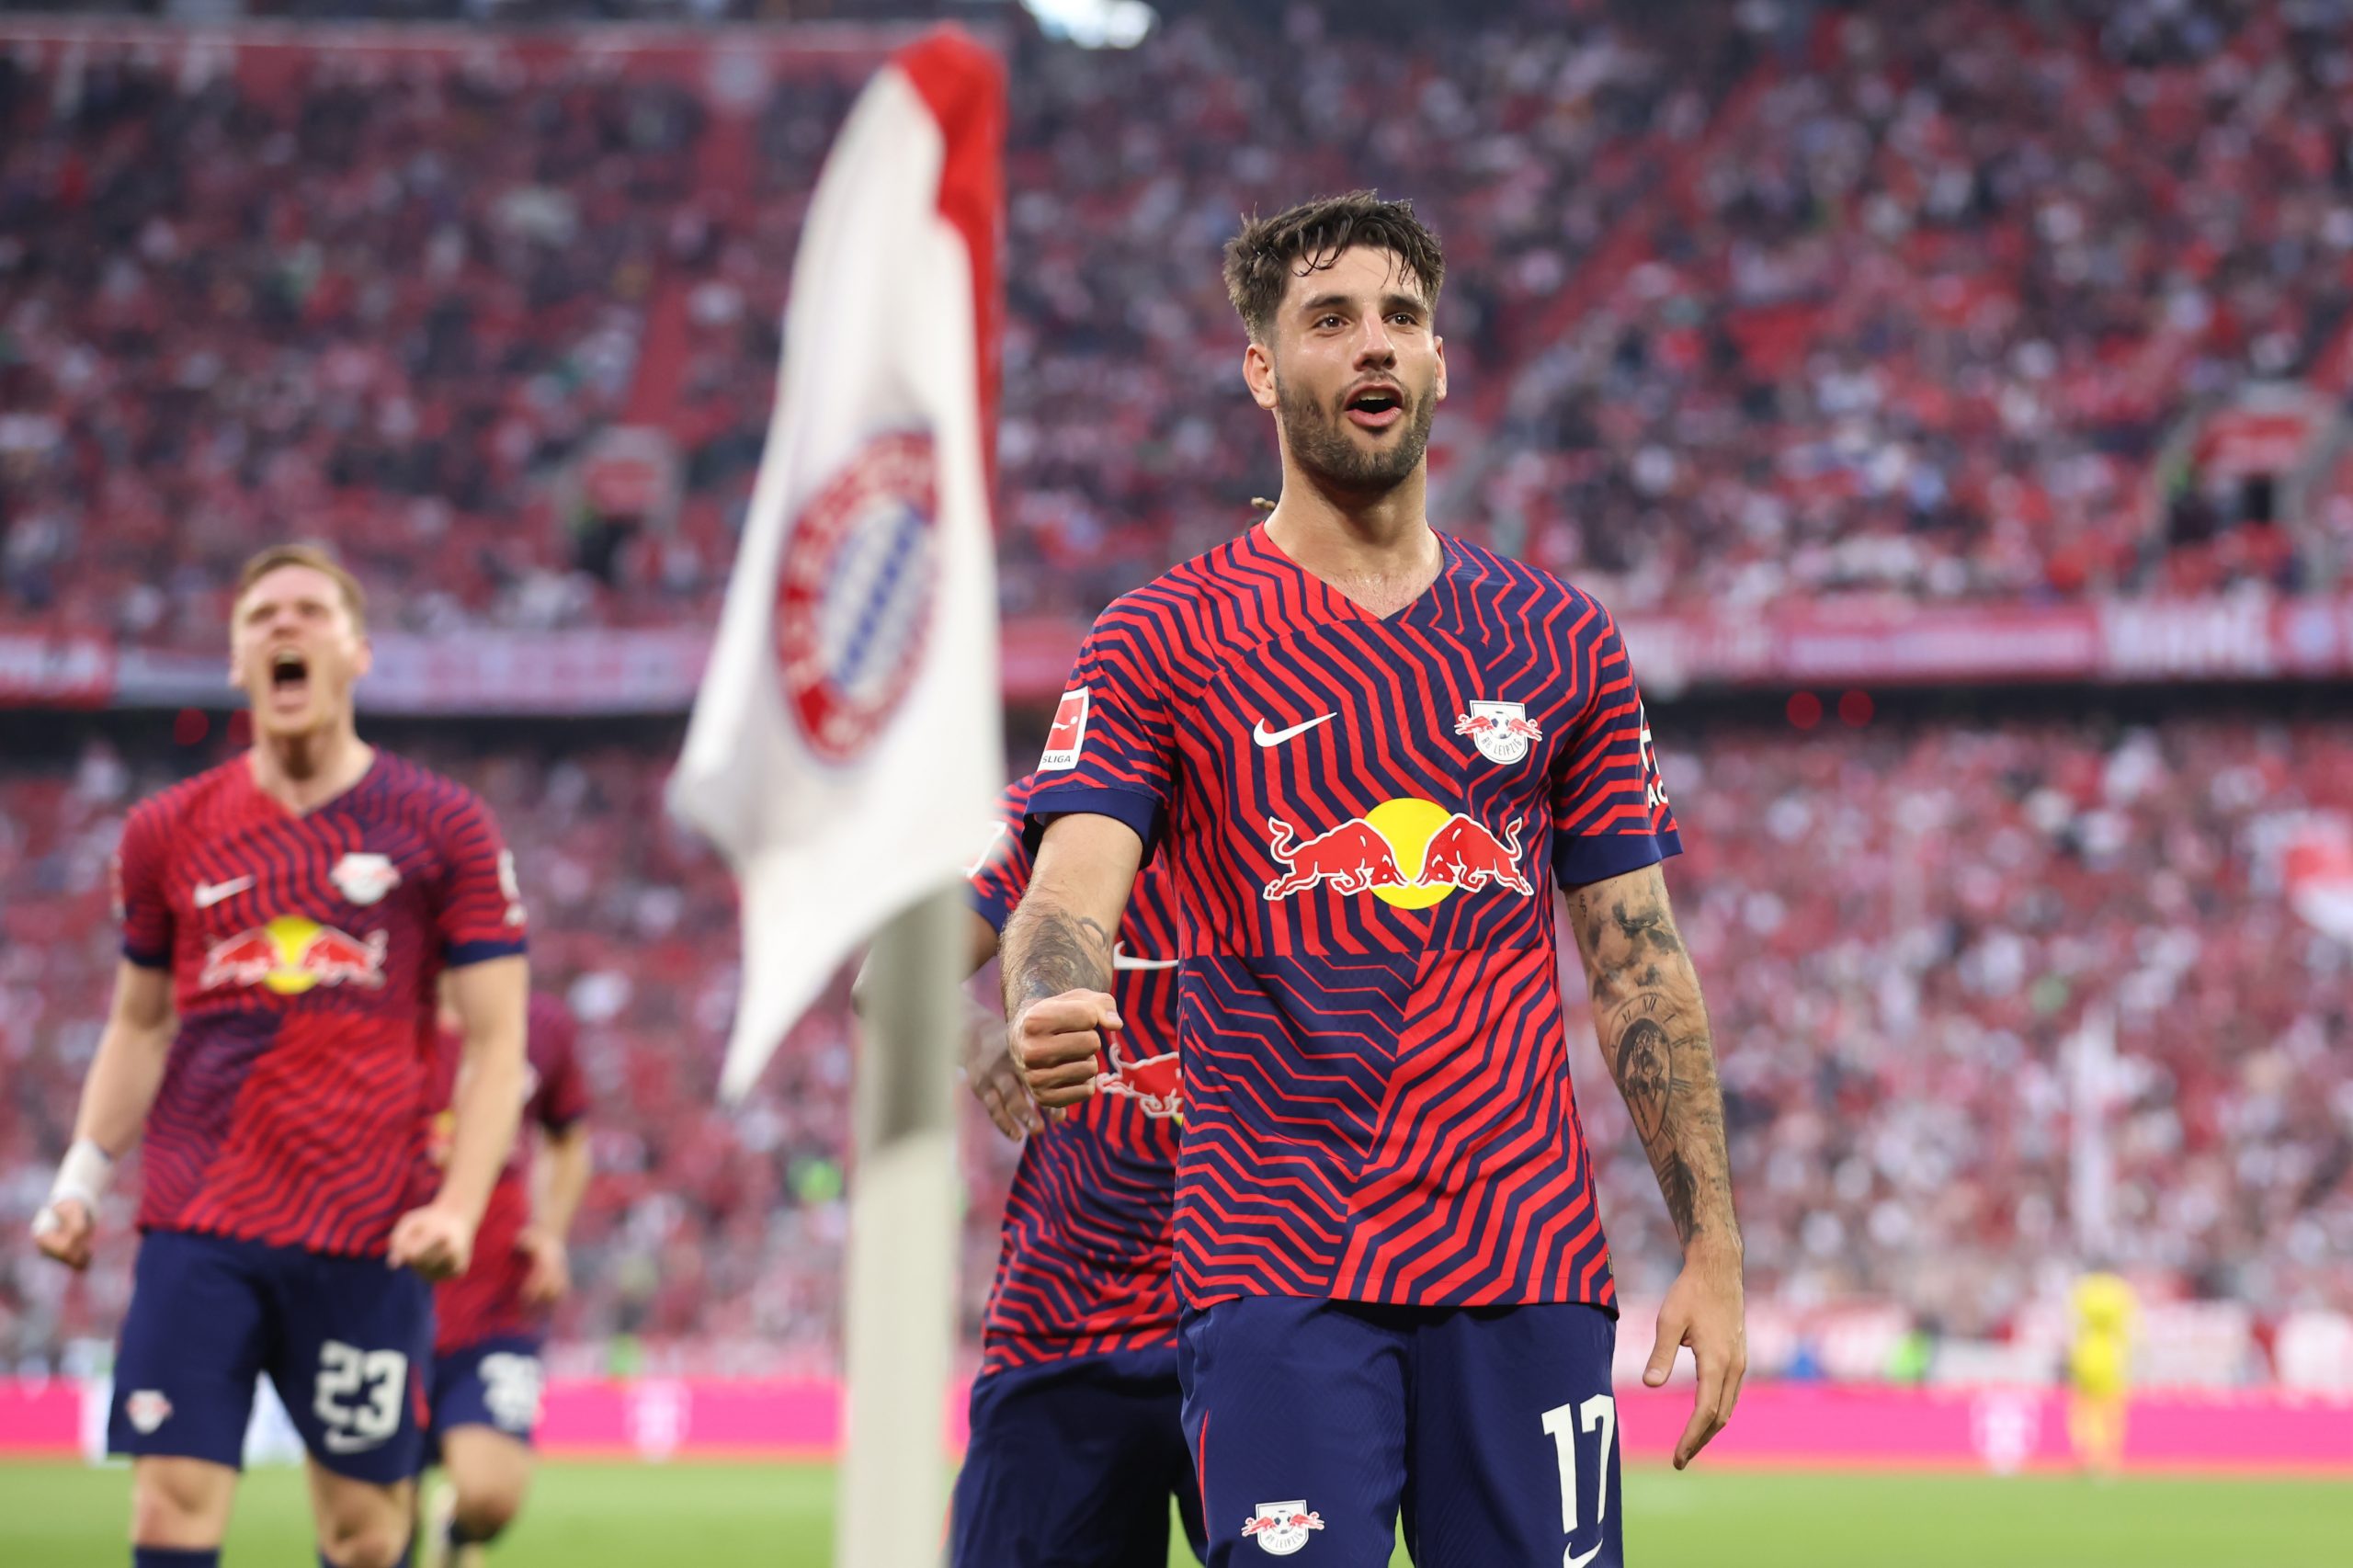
[901, 1296]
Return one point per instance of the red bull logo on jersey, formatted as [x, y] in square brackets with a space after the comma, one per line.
[1411, 853]
[1281, 1529]
[1152, 1082]
[1502, 730]
[290, 955]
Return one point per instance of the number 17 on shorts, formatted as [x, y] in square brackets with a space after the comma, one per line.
[1596, 1421]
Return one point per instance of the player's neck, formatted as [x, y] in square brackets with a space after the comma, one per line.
[304, 771]
[1378, 550]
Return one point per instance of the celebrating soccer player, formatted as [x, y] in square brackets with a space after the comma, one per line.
[295, 907]
[489, 1323]
[1368, 753]
[1077, 1440]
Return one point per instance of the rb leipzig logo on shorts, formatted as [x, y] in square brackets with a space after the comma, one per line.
[146, 1409]
[1281, 1528]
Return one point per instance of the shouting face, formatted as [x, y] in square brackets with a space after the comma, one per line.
[295, 649]
[1353, 372]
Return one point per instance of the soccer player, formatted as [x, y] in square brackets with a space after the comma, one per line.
[1077, 1441]
[2099, 1371]
[1369, 754]
[489, 1323]
[295, 906]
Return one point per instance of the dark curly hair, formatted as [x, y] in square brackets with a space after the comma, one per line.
[1268, 252]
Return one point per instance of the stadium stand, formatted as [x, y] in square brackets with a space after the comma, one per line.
[1741, 310]
[1901, 930]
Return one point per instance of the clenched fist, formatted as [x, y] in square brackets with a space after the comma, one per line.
[1056, 1040]
[63, 1229]
[436, 1242]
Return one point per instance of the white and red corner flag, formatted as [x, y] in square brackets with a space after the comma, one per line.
[849, 730]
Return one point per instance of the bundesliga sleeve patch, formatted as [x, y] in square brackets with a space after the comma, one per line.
[1067, 739]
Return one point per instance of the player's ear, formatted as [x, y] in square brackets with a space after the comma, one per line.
[1258, 373]
[366, 660]
[1440, 344]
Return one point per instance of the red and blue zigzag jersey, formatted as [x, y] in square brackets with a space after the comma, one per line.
[1083, 1268]
[304, 950]
[1364, 820]
[486, 1301]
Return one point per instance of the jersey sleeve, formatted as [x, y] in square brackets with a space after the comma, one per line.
[1610, 810]
[1112, 749]
[997, 880]
[560, 1101]
[481, 914]
[141, 904]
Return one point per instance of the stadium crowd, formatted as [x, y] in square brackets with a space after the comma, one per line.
[1900, 931]
[1744, 301]
[1932, 301]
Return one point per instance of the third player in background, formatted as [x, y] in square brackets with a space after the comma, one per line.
[1077, 1437]
[491, 1323]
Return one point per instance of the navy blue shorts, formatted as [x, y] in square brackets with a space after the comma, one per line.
[494, 1382]
[1491, 1430]
[344, 1340]
[1071, 1466]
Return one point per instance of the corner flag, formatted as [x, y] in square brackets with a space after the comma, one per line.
[848, 732]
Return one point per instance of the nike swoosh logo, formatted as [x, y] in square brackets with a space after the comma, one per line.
[350, 1442]
[1267, 737]
[210, 893]
[1120, 959]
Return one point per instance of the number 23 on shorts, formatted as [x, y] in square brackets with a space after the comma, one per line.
[364, 1421]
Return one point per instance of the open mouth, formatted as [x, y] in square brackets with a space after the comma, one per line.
[290, 672]
[1376, 407]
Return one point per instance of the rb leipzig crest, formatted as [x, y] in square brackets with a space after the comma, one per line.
[1500, 730]
[1281, 1528]
[363, 878]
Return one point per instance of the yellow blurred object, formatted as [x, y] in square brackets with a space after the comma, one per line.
[2100, 1366]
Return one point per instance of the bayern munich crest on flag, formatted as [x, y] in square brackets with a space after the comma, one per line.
[854, 594]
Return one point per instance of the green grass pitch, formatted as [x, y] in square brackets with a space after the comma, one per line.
[65, 1515]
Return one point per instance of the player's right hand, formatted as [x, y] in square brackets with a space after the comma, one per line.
[437, 1242]
[64, 1231]
[1705, 1312]
[1054, 1042]
[995, 1081]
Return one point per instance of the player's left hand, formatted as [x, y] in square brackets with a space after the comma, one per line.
[995, 1079]
[549, 1277]
[436, 1242]
[1704, 1311]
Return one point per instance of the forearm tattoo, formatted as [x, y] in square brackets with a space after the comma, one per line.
[1049, 950]
[1654, 1033]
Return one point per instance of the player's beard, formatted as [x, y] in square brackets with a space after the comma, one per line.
[1321, 443]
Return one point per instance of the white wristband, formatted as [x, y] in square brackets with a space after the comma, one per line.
[83, 1176]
